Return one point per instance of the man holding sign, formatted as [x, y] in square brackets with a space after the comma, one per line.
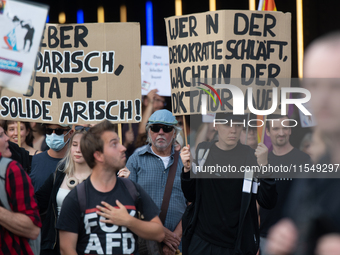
[227, 219]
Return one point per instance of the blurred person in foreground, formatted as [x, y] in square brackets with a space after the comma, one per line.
[314, 226]
[318, 146]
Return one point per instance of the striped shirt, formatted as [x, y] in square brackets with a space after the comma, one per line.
[20, 194]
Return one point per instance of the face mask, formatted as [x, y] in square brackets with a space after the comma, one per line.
[56, 142]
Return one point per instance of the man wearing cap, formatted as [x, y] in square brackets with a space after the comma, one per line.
[43, 164]
[226, 219]
[151, 167]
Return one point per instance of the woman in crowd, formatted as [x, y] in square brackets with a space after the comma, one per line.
[71, 170]
[26, 136]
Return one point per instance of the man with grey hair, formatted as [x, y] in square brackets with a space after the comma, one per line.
[155, 166]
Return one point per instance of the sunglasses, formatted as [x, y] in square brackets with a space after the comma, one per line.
[81, 128]
[166, 129]
[57, 131]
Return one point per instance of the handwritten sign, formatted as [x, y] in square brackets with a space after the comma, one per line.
[243, 48]
[85, 73]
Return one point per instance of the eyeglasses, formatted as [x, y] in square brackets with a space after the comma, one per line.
[157, 128]
[57, 131]
[81, 128]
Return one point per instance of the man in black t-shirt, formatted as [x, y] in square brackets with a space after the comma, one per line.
[284, 154]
[227, 215]
[109, 224]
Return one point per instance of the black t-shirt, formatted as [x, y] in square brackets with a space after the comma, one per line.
[283, 186]
[95, 237]
[218, 218]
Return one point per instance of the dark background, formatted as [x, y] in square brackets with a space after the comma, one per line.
[319, 17]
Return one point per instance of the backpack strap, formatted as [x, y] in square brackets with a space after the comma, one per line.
[131, 188]
[81, 192]
[4, 162]
[134, 193]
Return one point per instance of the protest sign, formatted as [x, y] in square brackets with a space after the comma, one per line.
[85, 73]
[155, 70]
[248, 49]
[21, 28]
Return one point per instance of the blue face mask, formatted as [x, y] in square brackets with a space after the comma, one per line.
[56, 142]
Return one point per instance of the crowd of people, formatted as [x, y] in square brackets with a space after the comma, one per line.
[78, 189]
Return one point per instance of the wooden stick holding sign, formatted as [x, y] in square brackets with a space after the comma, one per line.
[185, 131]
[19, 133]
[120, 132]
[264, 128]
[247, 129]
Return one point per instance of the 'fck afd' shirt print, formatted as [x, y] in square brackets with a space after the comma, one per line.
[94, 236]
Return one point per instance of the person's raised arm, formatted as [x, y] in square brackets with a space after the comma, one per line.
[188, 185]
[148, 111]
[186, 158]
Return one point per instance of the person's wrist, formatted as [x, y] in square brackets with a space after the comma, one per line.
[129, 221]
[150, 100]
[262, 162]
[178, 233]
[187, 169]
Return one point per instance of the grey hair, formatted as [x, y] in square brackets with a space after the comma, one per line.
[147, 128]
